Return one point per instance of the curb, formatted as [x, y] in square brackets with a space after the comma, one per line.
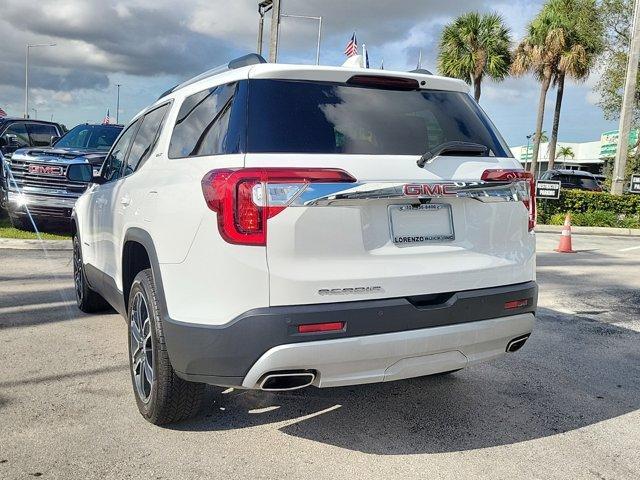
[607, 231]
[18, 244]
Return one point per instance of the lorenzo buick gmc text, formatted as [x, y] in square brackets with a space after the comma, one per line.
[267, 226]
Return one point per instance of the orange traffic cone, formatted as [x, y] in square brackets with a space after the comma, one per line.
[565, 237]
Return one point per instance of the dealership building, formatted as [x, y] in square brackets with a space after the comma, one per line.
[589, 156]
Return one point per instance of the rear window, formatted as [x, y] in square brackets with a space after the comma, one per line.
[313, 117]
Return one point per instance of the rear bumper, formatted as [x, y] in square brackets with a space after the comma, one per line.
[235, 353]
[394, 356]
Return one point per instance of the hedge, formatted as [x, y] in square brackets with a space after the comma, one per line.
[595, 209]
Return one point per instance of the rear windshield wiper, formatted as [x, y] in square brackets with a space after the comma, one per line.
[453, 148]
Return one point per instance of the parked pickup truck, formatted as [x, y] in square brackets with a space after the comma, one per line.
[38, 188]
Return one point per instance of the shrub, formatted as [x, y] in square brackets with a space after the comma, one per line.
[597, 218]
[595, 209]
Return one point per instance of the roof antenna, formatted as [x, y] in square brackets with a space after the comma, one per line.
[419, 67]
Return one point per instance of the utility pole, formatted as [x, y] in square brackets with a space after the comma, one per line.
[275, 30]
[263, 8]
[628, 100]
[118, 85]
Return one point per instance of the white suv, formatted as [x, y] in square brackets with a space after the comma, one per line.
[269, 226]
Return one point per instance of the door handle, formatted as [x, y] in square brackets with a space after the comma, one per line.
[125, 201]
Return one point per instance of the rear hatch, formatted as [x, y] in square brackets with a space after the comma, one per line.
[353, 216]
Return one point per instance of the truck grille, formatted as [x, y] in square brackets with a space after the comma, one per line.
[20, 172]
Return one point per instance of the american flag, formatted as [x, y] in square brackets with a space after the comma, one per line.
[107, 119]
[352, 46]
[2, 113]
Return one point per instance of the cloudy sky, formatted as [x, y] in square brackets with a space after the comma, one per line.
[150, 45]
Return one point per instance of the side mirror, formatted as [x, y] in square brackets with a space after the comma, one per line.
[54, 139]
[12, 141]
[80, 172]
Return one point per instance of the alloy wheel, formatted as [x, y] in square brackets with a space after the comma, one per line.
[78, 273]
[141, 347]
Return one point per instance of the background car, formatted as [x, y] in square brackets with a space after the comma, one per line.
[574, 179]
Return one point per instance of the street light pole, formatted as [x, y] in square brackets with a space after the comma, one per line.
[118, 104]
[628, 99]
[26, 73]
[526, 155]
[319, 20]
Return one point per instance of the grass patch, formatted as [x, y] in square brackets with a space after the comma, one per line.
[7, 231]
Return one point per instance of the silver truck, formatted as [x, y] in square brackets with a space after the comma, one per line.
[39, 188]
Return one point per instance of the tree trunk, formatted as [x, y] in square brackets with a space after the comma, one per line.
[536, 141]
[477, 88]
[556, 121]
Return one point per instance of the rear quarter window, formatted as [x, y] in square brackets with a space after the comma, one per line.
[208, 123]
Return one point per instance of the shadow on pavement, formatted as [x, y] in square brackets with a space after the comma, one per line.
[63, 376]
[572, 373]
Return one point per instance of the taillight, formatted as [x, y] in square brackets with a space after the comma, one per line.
[506, 175]
[246, 198]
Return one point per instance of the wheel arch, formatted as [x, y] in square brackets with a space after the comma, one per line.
[139, 253]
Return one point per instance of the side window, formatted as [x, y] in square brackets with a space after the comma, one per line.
[16, 135]
[145, 139]
[40, 134]
[203, 123]
[112, 168]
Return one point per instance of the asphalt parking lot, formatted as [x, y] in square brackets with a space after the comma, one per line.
[565, 406]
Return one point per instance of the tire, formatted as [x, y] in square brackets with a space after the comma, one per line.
[165, 398]
[87, 300]
[21, 223]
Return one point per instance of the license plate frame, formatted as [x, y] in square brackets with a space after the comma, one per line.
[401, 238]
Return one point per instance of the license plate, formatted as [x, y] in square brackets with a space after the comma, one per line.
[420, 224]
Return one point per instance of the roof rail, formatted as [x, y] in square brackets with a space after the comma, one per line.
[244, 61]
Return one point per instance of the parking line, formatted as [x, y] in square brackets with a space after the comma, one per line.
[637, 247]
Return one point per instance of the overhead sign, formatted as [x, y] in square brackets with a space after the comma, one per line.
[634, 187]
[549, 189]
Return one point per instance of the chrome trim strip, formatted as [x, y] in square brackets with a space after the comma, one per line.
[347, 194]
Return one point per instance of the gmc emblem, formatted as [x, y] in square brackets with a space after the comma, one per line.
[46, 169]
[429, 189]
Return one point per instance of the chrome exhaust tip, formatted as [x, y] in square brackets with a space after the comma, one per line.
[285, 381]
[517, 343]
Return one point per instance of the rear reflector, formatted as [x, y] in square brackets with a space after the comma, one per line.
[320, 327]
[516, 304]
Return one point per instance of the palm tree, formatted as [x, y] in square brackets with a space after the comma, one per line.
[543, 136]
[539, 52]
[584, 42]
[475, 45]
[563, 152]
